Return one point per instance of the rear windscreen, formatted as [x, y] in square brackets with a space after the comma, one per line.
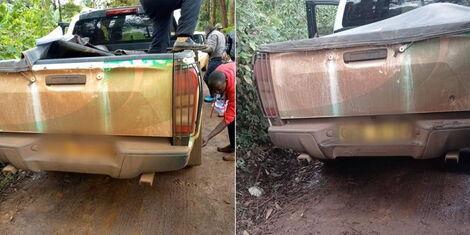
[115, 29]
[361, 12]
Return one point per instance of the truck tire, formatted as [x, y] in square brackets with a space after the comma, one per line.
[195, 157]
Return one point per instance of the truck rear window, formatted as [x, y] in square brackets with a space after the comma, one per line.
[116, 29]
[361, 12]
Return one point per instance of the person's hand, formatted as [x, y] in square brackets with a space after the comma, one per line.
[225, 56]
[205, 140]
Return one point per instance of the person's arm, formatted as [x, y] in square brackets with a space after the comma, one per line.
[219, 128]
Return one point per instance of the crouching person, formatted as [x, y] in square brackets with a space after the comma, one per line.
[222, 81]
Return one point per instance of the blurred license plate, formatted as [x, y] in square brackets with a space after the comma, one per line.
[376, 132]
[73, 147]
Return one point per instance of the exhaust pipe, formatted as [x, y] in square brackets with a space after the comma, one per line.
[452, 158]
[304, 156]
[147, 178]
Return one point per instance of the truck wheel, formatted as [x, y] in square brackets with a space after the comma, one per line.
[195, 157]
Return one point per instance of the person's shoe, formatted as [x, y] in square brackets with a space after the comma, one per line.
[186, 43]
[226, 149]
[231, 157]
[209, 99]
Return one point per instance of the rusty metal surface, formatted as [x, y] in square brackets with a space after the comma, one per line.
[427, 76]
[127, 100]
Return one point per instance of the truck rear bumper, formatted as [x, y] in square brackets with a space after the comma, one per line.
[434, 135]
[131, 156]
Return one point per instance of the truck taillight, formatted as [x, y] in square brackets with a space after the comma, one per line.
[264, 84]
[122, 11]
[185, 103]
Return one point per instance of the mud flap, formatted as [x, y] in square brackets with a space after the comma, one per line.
[195, 157]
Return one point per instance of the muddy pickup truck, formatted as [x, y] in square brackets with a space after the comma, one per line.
[90, 100]
[391, 80]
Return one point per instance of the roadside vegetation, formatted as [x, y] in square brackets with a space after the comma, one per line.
[6, 179]
[21, 23]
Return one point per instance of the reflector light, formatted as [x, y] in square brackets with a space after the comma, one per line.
[121, 11]
[264, 84]
[185, 100]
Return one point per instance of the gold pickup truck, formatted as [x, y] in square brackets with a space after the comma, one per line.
[392, 80]
[92, 101]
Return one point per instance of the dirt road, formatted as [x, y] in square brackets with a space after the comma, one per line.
[197, 200]
[359, 196]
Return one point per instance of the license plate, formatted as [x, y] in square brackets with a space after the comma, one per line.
[73, 147]
[375, 132]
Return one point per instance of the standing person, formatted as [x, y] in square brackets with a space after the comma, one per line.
[222, 81]
[215, 47]
[161, 13]
[231, 43]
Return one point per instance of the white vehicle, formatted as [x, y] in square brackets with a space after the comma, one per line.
[355, 13]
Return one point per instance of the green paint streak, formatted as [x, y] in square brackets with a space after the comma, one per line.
[40, 126]
[106, 105]
[407, 84]
[335, 92]
[151, 63]
[37, 109]
[159, 63]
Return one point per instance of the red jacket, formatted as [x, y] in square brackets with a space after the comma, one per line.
[229, 70]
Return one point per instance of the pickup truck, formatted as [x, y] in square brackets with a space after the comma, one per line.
[92, 101]
[391, 80]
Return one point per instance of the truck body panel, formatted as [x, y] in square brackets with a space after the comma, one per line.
[395, 87]
[116, 98]
[429, 76]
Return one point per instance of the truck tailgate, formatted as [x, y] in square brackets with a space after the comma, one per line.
[132, 97]
[421, 77]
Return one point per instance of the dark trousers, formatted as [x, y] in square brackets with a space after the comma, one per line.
[161, 12]
[213, 64]
[231, 133]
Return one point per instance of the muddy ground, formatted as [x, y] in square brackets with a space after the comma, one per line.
[197, 200]
[355, 196]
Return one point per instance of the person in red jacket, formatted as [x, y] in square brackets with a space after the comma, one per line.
[222, 81]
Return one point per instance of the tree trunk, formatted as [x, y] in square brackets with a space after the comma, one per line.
[232, 12]
[205, 13]
[212, 12]
[223, 13]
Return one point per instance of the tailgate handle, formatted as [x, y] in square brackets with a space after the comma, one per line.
[374, 54]
[65, 80]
